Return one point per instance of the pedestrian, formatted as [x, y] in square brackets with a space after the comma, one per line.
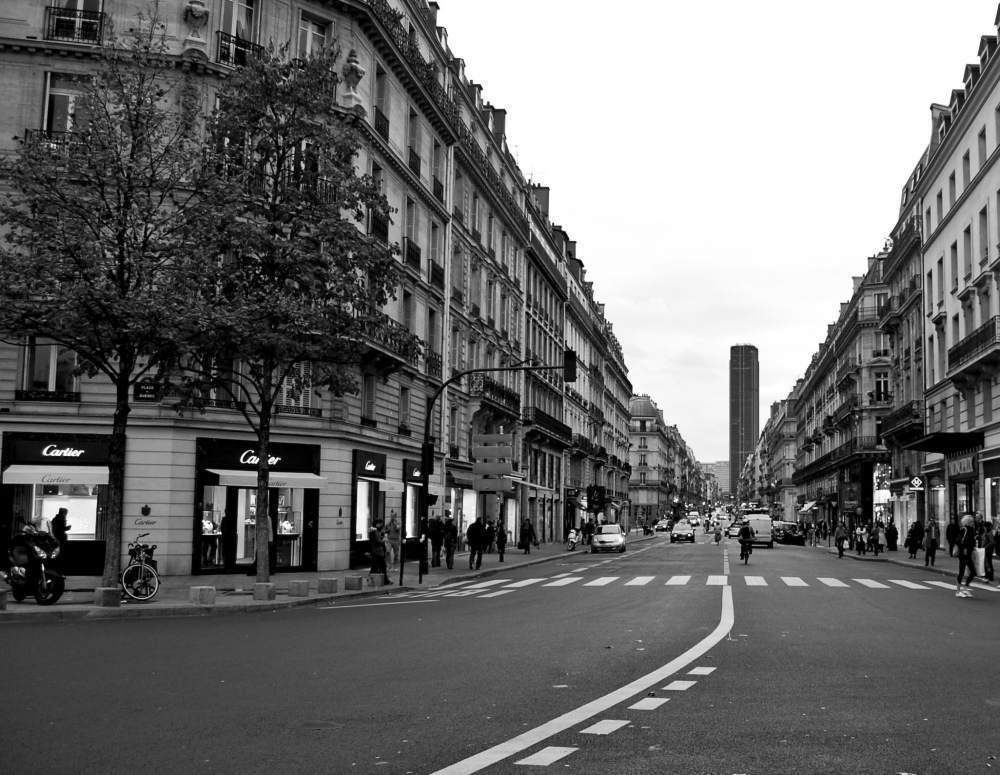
[840, 537]
[965, 542]
[501, 540]
[527, 536]
[951, 535]
[914, 537]
[861, 539]
[811, 535]
[588, 531]
[891, 537]
[377, 547]
[932, 539]
[436, 533]
[450, 539]
[476, 536]
[60, 530]
[394, 540]
[876, 538]
[989, 545]
[491, 536]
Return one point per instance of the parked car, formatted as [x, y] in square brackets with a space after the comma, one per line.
[682, 531]
[608, 538]
[663, 526]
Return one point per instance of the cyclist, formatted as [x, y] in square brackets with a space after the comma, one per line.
[746, 536]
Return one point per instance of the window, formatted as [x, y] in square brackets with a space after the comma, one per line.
[75, 20]
[48, 367]
[939, 202]
[408, 311]
[966, 172]
[954, 265]
[642, 477]
[239, 31]
[927, 223]
[982, 147]
[60, 105]
[967, 251]
[642, 460]
[295, 392]
[312, 36]
[984, 236]
[432, 330]
[368, 396]
[951, 189]
[881, 386]
[453, 425]
[940, 274]
[404, 406]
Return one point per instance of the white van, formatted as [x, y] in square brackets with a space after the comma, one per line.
[761, 524]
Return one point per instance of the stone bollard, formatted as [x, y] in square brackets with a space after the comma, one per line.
[377, 581]
[264, 591]
[298, 588]
[201, 595]
[3, 597]
[327, 586]
[108, 597]
[354, 582]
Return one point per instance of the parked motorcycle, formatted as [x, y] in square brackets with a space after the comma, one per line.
[32, 555]
[573, 540]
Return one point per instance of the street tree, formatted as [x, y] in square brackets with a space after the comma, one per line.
[299, 283]
[97, 221]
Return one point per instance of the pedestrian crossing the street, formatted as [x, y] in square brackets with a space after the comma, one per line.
[499, 587]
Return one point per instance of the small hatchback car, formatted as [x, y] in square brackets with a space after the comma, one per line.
[682, 531]
[608, 538]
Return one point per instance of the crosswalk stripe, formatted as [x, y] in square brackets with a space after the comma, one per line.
[833, 582]
[874, 584]
[677, 581]
[718, 581]
[679, 686]
[639, 581]
[562, 582]
[498, 593]
[605, 727]
[602, 581]
[942, 584]
[649, 703]
[702, 671]
[463, 593]
[546, 756]
[794, 581]
[907, 584]
[755, 581]
[561, 575]
[524, 583]
[490, 583]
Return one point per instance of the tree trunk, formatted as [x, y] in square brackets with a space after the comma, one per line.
[116, 483]
[263, 530]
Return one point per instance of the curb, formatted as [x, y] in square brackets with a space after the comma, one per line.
[901, 564]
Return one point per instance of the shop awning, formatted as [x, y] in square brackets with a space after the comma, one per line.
[947, 443]
[462, 476]
[55, 475]
[808, 507]
[276, 479]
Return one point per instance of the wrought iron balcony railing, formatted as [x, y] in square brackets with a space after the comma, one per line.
[432, 364]
[438, 187]
[489, 388]
[385, 332]
[411, 253]
[437, 275]
[982, 340]
[74, 26]
[910, 415]
[235, 51]
[414, 162]
[381, 122]
[378, 226]
[54, 396]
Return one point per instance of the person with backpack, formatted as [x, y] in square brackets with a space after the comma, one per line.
[840, 538]
[746, 536]
[966, 544]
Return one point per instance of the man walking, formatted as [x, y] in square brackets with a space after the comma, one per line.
[840, 537]
[966, 543]
[450, 542]
[436, 531]
[475, 535]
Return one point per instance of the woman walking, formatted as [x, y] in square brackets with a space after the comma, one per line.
[501, 539]
[932, 539]
[527, 536]
[989, 545]
[966, 544]
[840, 537]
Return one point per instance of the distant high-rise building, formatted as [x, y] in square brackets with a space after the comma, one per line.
[744, 403]
[720, 470]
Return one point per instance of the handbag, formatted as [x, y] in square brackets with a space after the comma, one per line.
[522, 545]
[979, 561]
[535, 544]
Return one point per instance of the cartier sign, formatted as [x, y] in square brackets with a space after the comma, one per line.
[370, 464]
[64, 450]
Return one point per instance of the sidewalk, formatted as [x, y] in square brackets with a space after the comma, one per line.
[943, 564]
[234, 592]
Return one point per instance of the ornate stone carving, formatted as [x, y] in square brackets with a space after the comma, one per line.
[352, 74]
[196, 17]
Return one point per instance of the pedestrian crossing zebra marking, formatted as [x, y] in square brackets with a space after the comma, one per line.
[716, 581]
[484, 584]
[877, 584]
[833, 583]
[942, 584]
[562, 582]
[602, 582]
[755, 581]
[677, 581]
[605, 727]
[907, 584]
[524, 583]
[679, 686]
[701, 671]
[649, 703]
[638, 581]
[794, 581]
[498, 593]
[546, 756]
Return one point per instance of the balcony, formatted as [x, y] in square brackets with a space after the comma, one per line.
[490, 390]
[236, 52]
[453, 451]
[411, 253]
[846, 373]
[414, 162]
[432, 364]
[536, 420]
[437, 275]
[381, 123]
[378, 226]
[50, 396]
[438, 187]
[73, 26]
[457, 296]
[477, 236]
[389, 338]
[300, 411]
[842, 414]
[458, 215]
[975, 355]
[880, 353]
[908, 420]
[369, 422]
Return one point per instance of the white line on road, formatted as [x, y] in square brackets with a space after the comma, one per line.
[833, 582]
[679, 686]
[534, 736]
[546, 756]
[524, 583]
[794, 581]
[560, 575]
[490, 583]
[639, 581]
[562, 582]
[497, 594]
[369, 605]
[677, 581]
[602, 581]
[605, 727]
[755, 581]
[702, 671]
[649, 703]
[875, 584]
[907, 584]
[717, 581]
[943, 585]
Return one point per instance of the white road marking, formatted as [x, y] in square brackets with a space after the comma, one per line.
[639, 581]
[833, 582]
[562, 582]
[497, 594]
[907, 584]
[568, 720]
[605, 727]
[560, 575]
[719, 581]
[546, 756]
[602, 581]
[702, 671]
[679, 686]
[524, 583]
[755, 581]
[677, 581]
[794, 581]
[463, 593]
[490, 583]
[879, 585]
[943, 585]
[369, 605]
[650, 703]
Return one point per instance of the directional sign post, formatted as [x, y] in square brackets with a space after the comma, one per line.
[493, 453]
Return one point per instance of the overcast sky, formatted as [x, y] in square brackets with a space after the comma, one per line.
[725, 167]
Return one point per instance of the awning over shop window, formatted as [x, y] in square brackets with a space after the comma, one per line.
[947, 443]
[55, 475]
[808, 507]
[463, 477]
[276, 479]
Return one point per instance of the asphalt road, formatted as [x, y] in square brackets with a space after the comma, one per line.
[563, 665]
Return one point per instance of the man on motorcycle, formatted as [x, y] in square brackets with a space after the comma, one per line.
[746, 537]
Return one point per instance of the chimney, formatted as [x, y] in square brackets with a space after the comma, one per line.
[499, 122]
[433, 9]
[541, 195]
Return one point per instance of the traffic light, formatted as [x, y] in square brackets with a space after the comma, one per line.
[600, 497]
[569, 366]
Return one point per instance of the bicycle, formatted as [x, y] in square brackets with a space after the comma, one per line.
[138, 579]
[745, 552]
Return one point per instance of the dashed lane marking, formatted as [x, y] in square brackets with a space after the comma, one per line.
[833, 582]
[605, 727]
[907, 584]
[755, 581]
[562, 582]
[639, 581]
[649, 703]
[602, 581]
[677, 581]
[546, 756]
[794, 581]
[877, 584]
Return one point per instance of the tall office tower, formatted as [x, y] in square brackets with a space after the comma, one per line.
[744, 402]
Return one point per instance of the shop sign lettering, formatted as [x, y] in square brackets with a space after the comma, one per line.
[144, 522]
[55, 479]
[369, 465]
[249, 458]
[964, 465]
[415, 473]
[53, 451]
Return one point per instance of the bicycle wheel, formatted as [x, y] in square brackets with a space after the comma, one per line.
[140, 582]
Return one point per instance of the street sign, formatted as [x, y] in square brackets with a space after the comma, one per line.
[493, 485]
[493, 461]
[494, 453]
[916, 483]
[504, 468]
[492, 438]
